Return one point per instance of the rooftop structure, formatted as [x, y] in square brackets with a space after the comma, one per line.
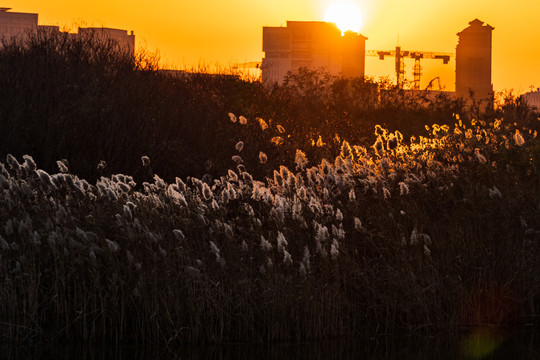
[311, 44]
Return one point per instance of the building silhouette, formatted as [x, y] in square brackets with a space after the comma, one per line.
[125, 41]
[311, 44]
[473, 63]
[532, 99]
[317, 44]
[16, 26]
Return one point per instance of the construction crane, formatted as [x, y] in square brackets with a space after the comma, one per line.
[400, 55]
[430, 84]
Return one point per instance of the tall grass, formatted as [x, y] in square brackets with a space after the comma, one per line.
[438, 231]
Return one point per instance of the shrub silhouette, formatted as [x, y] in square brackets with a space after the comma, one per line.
[79, 98]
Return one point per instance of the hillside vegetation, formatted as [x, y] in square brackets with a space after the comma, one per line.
[79, 99]
[283, 235]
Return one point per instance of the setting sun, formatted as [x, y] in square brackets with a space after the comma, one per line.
[345, 15]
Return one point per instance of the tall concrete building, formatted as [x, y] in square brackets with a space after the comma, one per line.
[311, 44]
[14, 24]
[473, 63]
[353, 54]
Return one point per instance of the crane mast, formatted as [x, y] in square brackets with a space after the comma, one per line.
[400, 55]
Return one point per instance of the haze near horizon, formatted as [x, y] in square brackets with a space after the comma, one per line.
[214, 33]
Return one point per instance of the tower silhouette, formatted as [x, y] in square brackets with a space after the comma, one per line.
[473, 63]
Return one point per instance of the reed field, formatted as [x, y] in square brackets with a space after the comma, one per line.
[272, 230]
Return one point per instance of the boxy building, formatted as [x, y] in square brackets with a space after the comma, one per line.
[311, 44]
[532, 99]
[14, 24]
[125, 42]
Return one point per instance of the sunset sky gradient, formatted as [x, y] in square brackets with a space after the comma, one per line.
[192, 33]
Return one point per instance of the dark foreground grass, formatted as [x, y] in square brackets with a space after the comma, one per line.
[437, 233]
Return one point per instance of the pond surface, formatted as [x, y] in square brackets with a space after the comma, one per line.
[482, 344]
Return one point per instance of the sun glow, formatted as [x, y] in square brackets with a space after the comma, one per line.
[345, 15]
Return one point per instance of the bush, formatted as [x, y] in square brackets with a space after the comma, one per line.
[79, 98]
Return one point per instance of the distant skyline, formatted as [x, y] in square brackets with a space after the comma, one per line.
[188, 34]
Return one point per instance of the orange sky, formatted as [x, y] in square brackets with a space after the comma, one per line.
[189, 32]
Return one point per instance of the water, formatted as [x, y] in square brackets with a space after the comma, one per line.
[522, 345]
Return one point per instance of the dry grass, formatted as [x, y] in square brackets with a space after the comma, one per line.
[438, 232]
